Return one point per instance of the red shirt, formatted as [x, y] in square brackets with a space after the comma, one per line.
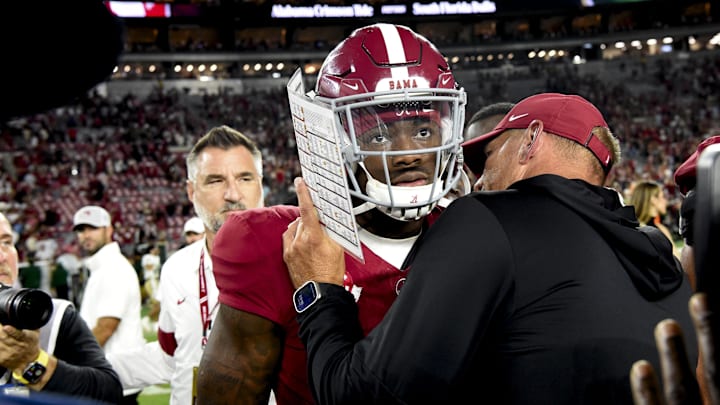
[252, 277]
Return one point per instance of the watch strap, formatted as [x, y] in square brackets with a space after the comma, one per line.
[40, 363]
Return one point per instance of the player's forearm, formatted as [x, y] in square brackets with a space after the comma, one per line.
[241, 359]
[218, 384]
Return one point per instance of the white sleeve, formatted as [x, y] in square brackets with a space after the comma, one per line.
[143, 366]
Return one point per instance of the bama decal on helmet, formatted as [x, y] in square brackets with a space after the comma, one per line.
[392, 83]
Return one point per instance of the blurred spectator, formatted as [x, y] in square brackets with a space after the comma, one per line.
[151, 271]
[151, 275]
[59, 284]
[111, 300]
[69, 260]
[648, 199]
[193, 230]
[30, 274]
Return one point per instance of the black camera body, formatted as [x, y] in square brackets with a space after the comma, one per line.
[24, 308]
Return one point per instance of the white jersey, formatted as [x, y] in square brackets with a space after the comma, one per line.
[180, 328]
[113, 290]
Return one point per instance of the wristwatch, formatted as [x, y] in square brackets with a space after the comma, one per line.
[35, 370]
[306, 295]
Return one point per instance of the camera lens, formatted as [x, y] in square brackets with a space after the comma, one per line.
[26, 308]
[33, 309]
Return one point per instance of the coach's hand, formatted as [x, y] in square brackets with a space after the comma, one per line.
[308, 251]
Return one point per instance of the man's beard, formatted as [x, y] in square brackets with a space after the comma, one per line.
[215, 221]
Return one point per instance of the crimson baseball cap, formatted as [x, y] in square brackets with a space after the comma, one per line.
[686, 174]
[567, 115]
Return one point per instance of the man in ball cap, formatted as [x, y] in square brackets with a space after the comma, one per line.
[111, 301]
[566, 116]
[515, 287]
[193, 230]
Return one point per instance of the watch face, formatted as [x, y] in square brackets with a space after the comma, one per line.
[305, 296]
[34, 372]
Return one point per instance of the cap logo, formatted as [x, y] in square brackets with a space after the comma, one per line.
[516, 117]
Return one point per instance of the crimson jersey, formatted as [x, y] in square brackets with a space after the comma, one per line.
[252, 277]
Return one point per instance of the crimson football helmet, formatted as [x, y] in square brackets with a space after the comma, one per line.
[379, 75]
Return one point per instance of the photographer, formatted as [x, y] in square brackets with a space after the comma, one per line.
[62, 356]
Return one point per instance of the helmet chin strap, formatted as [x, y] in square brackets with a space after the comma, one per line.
[363, 208]
[382, 192]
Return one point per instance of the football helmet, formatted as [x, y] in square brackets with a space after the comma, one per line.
[380, 75]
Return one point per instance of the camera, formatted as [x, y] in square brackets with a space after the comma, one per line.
[24, 308]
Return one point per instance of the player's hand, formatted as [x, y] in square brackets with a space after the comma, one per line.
[707, 329]
[679, 379]
[308, 251]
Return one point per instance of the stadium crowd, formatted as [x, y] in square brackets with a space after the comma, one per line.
[126, 153]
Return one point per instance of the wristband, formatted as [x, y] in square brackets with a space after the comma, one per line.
[35, 370]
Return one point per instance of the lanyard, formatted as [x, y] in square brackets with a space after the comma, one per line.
[204, 311]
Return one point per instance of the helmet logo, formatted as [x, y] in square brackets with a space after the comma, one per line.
[390, 83]
[414, 199]
[403, 84]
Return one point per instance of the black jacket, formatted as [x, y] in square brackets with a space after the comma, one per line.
[542, 294]
[82, 368]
